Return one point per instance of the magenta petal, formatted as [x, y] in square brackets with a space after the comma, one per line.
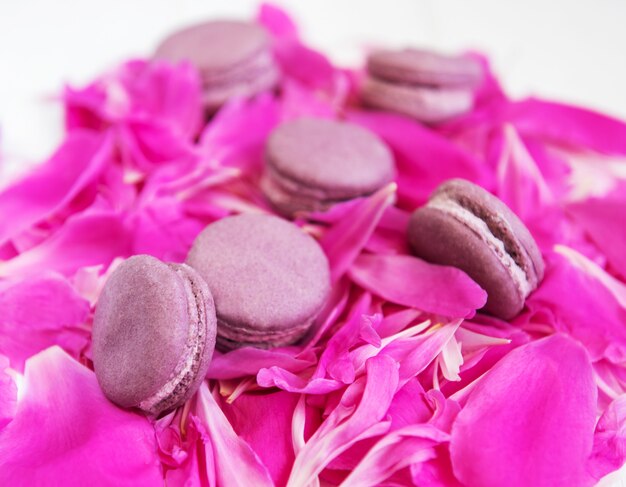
[569, 125]
[52, 185]
[345, 240]
[65, 432]
[233, 458]
[530, 420]
[410, 281]
[609, 445]
[246, 361]
[604, 220]
[8, 394]
[39, 312]
[269, 435]
[86, 239]
[337, 434]
[424, 159]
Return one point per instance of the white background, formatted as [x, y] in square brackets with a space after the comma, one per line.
[569, 50]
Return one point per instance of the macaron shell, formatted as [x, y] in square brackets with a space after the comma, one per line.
[441, 239]
[426, 104]
[140, 330]
[339, 160]
[265, 274]
[215, 46]
[494, 212]
[416, 66]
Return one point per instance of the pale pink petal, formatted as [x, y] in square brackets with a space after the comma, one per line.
[246, 361]
[568, 125]
[423, 158]
[604, 221]
[410, 281]
[269, 435]
[530, 420]
[86, 239]
[609, 446]
[344, 241]
[337, 434]
[395, 451]
[52, 185]
[39, 312]
[66, 432]
[234, 460]
[8, 394]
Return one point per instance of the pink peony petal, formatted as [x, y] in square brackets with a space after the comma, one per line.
[344, 241]
[87, 239]
[410, 281]
[520, 182]
[604, 220]
[66, 432]
[8, 394]
[395, 451]
[568, 125]
[269, 435]
[609, 445]
[424, 159]
[337, 434]
[52, 185]
[39, 312]
[530, 420]
[246, 361]
[296, 60]
[139, 90]
[234, 460]
[587, 311]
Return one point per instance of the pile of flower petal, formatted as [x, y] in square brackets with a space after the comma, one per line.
[403, 383]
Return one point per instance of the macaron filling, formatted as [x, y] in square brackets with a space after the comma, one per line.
[185, 372]
[455, 209]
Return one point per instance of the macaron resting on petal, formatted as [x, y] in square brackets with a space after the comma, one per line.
[269, 279]
[153, 333]
[325, 161]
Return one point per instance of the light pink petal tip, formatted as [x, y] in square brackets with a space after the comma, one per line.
[529, 420]
[66, 432]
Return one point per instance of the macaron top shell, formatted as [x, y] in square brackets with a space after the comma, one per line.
[340, 159]
[502, 222]
[141, 333]
[265, 273]
[416, 66]
[215, 46]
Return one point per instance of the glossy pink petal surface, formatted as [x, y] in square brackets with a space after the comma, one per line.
[530, 420]
[66, 431]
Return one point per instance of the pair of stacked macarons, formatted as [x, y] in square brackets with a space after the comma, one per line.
[233, 58]
[250, 279]
[425, 85]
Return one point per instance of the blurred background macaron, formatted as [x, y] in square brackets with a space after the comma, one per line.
[425, 85]
[314, 163]
[233, 58]
[269, 279]
[153, 334]
[464, 226]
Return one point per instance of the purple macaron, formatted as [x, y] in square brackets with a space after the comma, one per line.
[313, 163]
[153, 334]
[425, 85]
[464, 226]
[269, 279]
[234, 58]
